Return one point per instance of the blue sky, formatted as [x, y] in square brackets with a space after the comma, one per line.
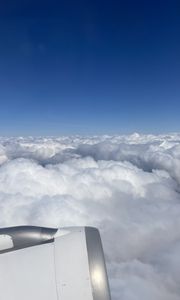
[89, 67]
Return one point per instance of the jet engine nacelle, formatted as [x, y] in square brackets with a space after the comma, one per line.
[52, 264]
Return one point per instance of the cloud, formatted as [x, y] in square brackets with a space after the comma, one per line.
[127, 186]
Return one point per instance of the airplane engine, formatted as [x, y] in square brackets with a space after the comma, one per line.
[52, 264]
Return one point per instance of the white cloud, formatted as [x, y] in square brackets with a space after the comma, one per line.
[128, 186]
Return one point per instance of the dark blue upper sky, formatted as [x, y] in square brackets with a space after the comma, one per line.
[89, 66]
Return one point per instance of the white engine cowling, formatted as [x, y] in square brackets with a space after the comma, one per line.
[49, 264]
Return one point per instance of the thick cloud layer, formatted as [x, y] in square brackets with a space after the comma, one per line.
[127, 186]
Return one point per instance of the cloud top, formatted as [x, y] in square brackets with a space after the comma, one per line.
[127, 186]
